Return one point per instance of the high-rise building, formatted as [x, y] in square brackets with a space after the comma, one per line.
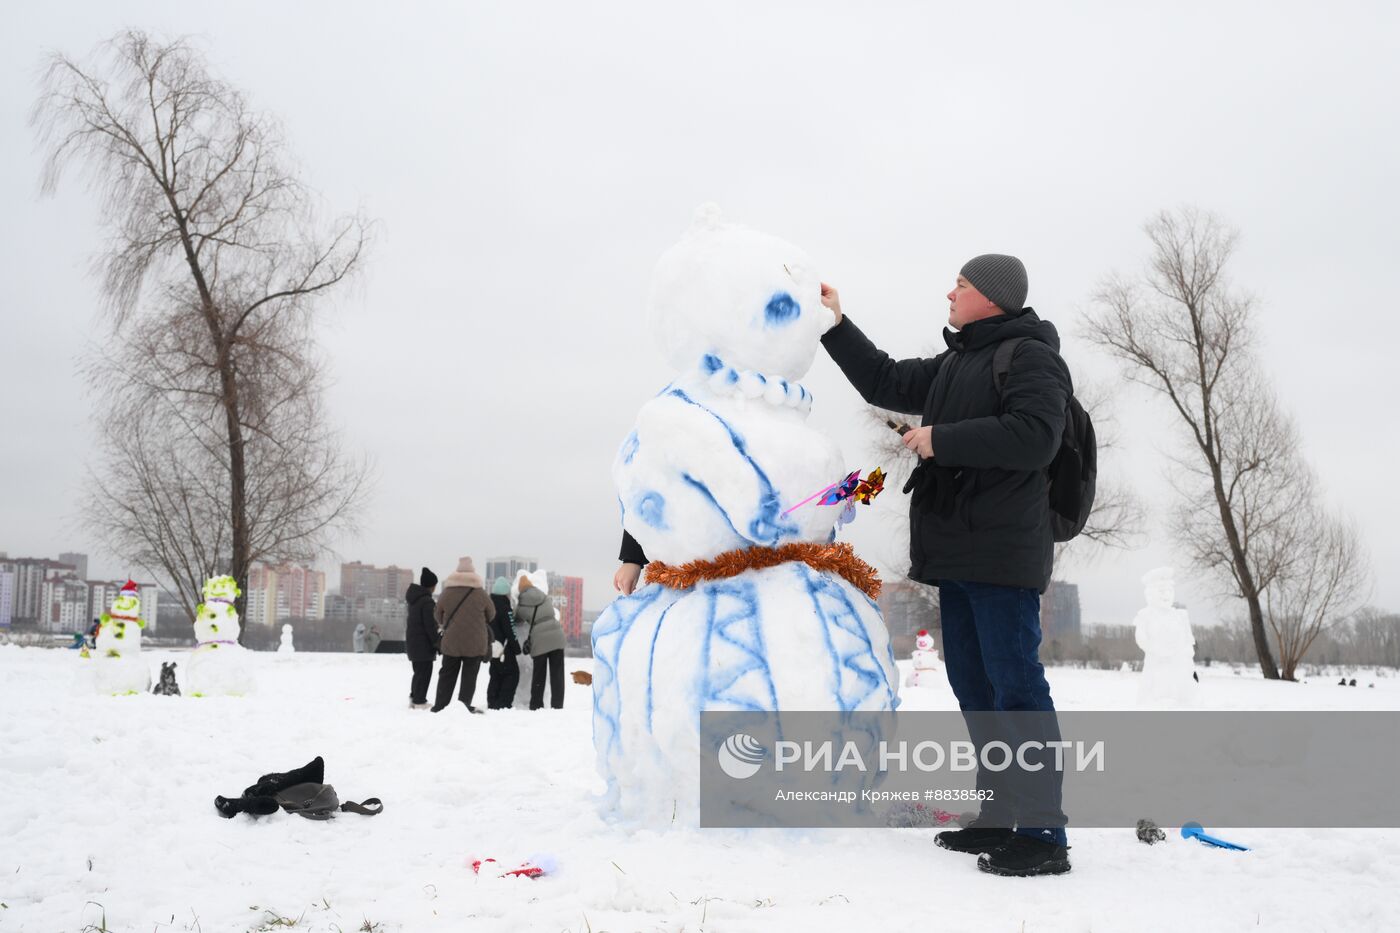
[64, 603]
[508, 567]
[79, 563]
[1059, 611]
[365, 581]
[284, 591]
[28, 598]
[567, 595]
[7, 592]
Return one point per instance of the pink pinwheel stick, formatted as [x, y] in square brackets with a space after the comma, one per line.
[815, 495]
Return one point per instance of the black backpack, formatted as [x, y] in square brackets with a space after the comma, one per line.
[1074, 472]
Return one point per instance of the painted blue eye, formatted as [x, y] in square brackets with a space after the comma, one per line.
[711, 363]
[782, 309]
[651, 507]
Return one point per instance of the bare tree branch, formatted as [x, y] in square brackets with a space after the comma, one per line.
[209, 384]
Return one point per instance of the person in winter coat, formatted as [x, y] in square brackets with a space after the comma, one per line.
[463, 614]
[544, 641]
[357, 640]
[372, 640]
[505, 668]
[421, 636]
[979, 521]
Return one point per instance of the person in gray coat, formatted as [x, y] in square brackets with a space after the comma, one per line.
[464, 613]
[544, 642]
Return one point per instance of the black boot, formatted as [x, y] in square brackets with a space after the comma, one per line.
[1025, 856]
[975, 838]
[268, 785]
[253, 806]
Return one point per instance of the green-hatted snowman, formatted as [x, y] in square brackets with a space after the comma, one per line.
[120, 669]
[219, 664]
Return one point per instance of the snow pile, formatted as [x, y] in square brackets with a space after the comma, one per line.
[512, 785]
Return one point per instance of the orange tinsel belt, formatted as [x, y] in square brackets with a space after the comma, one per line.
[835, 558]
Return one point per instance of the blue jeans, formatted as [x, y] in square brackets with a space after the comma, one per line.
[991, 645]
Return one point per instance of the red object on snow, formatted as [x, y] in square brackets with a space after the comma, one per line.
[526, 870]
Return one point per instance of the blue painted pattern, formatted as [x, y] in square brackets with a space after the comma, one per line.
[767, 526]
[733, 659]
[651, 508]
[782, 309]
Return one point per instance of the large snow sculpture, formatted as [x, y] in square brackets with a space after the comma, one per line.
[715, 462]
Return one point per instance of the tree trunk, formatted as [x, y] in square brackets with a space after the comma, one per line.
[238, 486]
[1248, 589]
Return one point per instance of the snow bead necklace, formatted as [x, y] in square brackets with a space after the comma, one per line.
[747, 383]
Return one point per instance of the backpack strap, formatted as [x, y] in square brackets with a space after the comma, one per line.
[1001, 361]
[372, 806]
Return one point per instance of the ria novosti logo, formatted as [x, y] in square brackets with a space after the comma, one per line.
[741, 755]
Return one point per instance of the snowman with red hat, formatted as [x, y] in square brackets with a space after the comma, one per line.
[925, 672]
[120, 668]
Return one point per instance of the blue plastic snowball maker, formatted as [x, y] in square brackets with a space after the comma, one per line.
[1195, 831]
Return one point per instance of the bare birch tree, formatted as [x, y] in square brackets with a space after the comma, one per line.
[219, 450]
[1249, 505]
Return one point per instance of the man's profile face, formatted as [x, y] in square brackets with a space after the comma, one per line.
[966, 304]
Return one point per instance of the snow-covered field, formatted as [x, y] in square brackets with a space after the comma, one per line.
[107, 822]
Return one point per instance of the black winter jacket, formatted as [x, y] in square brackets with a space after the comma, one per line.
[980, 511]
[420, 632]
[501, 628]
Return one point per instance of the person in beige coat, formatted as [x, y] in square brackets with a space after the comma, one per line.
[464, 612]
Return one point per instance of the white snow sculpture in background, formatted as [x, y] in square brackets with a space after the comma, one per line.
[925, 672]
[119, 667]
[286, 647]
[219, 664]
[1163, 633]
[713, 465]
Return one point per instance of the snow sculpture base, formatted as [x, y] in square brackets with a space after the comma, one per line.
[219, 670]
[120, 675]
[782, 638]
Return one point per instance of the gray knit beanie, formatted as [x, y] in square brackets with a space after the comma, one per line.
[1001, 278]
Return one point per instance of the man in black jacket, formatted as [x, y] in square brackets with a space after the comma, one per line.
[979, 522]
[421, 637]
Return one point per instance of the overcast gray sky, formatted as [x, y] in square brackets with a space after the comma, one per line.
[528, 162]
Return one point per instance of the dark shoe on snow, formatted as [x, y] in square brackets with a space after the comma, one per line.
[974, 839]
[253, 806]
[1025, 856]
[314, 772]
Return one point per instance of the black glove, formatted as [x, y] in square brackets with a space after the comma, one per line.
[934, 488]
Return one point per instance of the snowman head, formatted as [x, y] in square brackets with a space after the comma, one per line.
[1159, 587]
[127, 605]
[923, 641]
[729, 296]
[221, 590]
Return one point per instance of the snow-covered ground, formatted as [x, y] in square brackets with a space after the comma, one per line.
[107, 822]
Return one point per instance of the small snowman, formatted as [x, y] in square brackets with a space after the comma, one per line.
[925, 672]
[120, 669]
[286, 647]
[219, 664]
[1163, 632]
